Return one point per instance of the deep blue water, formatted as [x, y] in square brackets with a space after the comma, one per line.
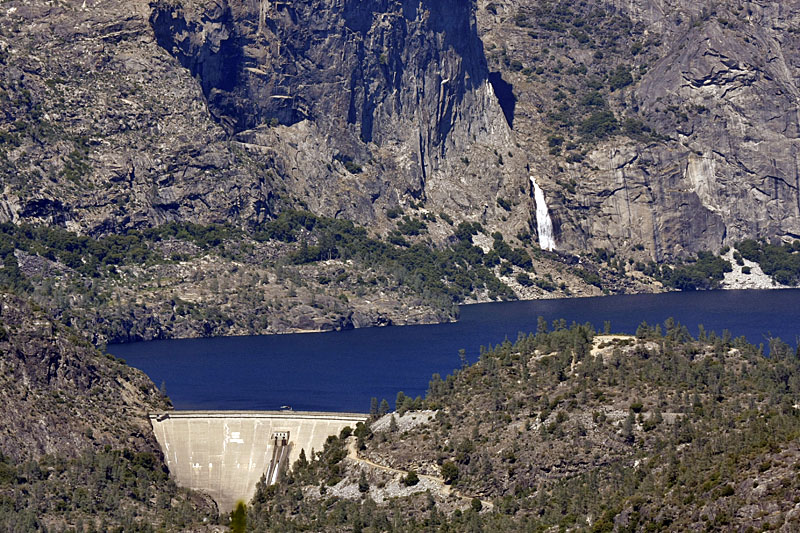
[341, 371]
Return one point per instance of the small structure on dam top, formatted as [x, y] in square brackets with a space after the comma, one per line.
[225, 453]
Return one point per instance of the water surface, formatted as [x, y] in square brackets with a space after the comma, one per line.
[341, 371]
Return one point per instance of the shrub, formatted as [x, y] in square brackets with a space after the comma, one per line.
[411, 226]
[449, 471]
[599, 125]
[351, 166]
[524, 279]
[780, 261]
[620, 78]
[704, 272]
[394, 212]
[411, 479]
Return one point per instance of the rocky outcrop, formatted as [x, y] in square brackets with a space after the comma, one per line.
[715, 85]
[370, 103]
[139, 114]
[60, 395]
[101, 130]
[662, 127]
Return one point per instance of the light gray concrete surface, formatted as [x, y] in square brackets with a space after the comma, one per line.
[225, 453]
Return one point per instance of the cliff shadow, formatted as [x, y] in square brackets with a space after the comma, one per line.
[505, 96]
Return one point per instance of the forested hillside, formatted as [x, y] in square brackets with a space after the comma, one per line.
[195, 168]
[573, 430]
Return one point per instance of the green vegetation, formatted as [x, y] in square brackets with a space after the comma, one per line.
[204, 236]
[95, 257]
[76, 165]
[449, 471]
[781, 261]
[503, 203]
[661, 432]
[239, 518]
[86, 255]
[411, 479]
[411, 226]
[620, 78]
[706, 271]
[584, 100]
[451, 273]
[703, 271]
[106, 490]
[104, 285]
[351, 166]
[515, 256]
[589, 277]
[720, 437]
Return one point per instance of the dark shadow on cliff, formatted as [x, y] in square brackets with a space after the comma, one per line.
[505, 96]
[215, 63]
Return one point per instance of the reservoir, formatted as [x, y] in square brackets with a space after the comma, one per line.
[341, 371]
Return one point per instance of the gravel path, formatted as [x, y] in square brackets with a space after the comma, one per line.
[428, 482]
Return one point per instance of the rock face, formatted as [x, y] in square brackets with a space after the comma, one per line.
[663, 126]
[717, 85]
[346, 107]
[370, 103]
[102, 130]
[60, 395]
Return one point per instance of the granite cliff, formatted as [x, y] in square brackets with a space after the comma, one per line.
[350, 108]
[654, 129]
[667, 124]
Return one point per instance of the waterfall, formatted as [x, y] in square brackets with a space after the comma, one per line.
[544, 225]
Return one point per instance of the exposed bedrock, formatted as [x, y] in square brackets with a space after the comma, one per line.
[370, 103]
[143, 113]
[718, 84]
[120, 114]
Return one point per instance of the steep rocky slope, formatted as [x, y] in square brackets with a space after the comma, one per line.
[670, 124]
[347, 108]
[370, 103]
[663, 125]
[77, 451]
[59, 395]
[103, 130]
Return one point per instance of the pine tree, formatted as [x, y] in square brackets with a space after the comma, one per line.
[239, 518]
[373, 407]
[627, 428]
[363, 484]
[401, 398]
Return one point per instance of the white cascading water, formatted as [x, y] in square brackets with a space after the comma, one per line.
[544, 224]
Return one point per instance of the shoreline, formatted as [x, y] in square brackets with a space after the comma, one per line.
[304, 331]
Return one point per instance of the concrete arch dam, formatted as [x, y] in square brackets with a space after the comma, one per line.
[225, 453]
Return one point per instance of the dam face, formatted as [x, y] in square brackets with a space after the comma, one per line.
[225, 453]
